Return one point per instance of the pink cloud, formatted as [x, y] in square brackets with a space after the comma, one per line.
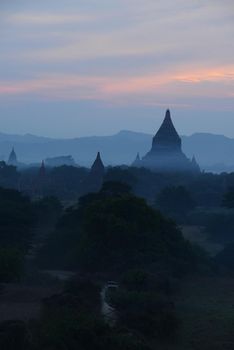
[216, 82]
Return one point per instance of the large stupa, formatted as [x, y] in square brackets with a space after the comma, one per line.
[166, 153]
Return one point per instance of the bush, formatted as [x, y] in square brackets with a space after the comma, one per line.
[47, 210]
[147, 312]
[16, 219]
[141, 280]
[86, 291]
[175, 201]
[226, 257]
[220, 227]
[83, 332]
[228, 198]
[14, 335]
[112, 232]
[11, 265]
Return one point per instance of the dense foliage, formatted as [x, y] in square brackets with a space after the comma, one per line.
[114, 230]
[225, 258]
[11, 264]
[69, 182]
[143, 303]
[16, 229]
[16, 219]
[175, 201]
[228, 200]
[9, 176]
[70, 320]
[47, 210]
[113, 233]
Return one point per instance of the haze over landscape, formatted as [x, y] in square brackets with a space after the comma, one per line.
[116, 175]
[213, 152]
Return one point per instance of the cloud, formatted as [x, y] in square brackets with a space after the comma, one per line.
[46, 18]
[169, 28]
[152, 53]
[216, 82]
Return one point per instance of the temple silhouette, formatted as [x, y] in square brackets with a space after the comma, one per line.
[12, 160]
[166, 153]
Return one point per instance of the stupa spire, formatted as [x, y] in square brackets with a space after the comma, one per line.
[137, 161]
[167, 137]
[168, 115]
[166, 154]
[12, 160]
[98, 166]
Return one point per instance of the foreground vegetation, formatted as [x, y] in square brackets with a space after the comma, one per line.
[169, 292]
[112, 231]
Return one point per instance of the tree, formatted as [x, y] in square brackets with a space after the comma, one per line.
[47, 210]
[14, 335]
[175, 201]
[114, 188]
[225, 258]
[16, 219]
[11, 265]
[228, 198]
[147, 312]
[9, 175]
[114, 231]
[120, 175]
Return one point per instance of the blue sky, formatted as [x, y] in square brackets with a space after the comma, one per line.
[74, 68]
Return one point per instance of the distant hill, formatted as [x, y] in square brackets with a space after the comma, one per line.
[213, 152]
[27, 138]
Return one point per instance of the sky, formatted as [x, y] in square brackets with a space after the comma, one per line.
[71, 68]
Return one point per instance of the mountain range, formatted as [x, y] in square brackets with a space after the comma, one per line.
[213, 152]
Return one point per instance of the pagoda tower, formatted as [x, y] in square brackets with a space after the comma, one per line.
[166, 153]
[97, 169]
[137, 161]
[167, 138]
[12, 160]
[96, 175]
[195, 164]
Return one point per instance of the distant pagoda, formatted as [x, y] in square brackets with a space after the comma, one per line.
[12, 160]
[137, 161]
[97, 169]
[166, 153]
[42, 171]
[195, 165]
[95, 178]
